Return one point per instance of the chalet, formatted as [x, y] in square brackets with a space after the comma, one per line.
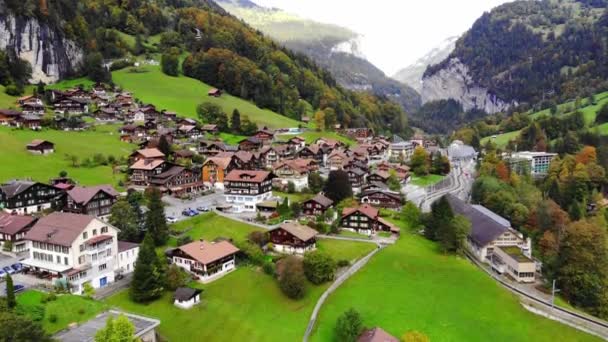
[313, 152]
[135, 116]
[382, 199]
[135, 131]
[72, 123]
[152, 124]
[183, 155]
[189, 132]
[244, 160]
[329, 143]
[186, 297]
[250, 144]
[356, 177]
[293, 238]
[336, 160]
[316, 205]
[379, 176]
[295, 171]
[143, 170]
[106, 114]
[94, 200]
[29, 99]
[305, 119]
[492, 240]
[211, 129]
[150, 112]
[206, 260]
[365, 220]
[12, 230]
[369, 186]
[211, 148]
[353, 163]
[186, 121]
[178, 180]
[30, 121]
[214, 92]
[39, 146]
[244, 189]
[169, 116]
[26, 197]
[71, 105]
[376, 335]
[361, 133]
[215, 170]
[9, 116]
[265, 135]
[33, 108]
[297, 143]
[147, 153]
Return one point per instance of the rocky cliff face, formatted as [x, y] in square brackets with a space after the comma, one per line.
[454, 82]
[51, 55]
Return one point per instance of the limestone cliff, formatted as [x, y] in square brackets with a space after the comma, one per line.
[51, 55]
[454, 82]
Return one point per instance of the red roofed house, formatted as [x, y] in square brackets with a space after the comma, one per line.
[143, 170]
[376, 335]
[365, 220]
[215, 170]
[147, 153]
[78, 248]
[214, 92]
[12, 230]
[38, 146]
[245, 188]
[265, 135]
[295, 171]
[94, 200]
[293, 238]
[206, 260]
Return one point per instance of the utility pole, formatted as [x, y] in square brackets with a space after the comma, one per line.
[553, 292]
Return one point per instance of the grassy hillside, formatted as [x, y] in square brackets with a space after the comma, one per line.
[411, 285]
[18, 163]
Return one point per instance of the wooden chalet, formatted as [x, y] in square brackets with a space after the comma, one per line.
[26, 197]
[293, 238]
[147, 154]
[382, 198]
[30, 121]
[265, 135]
[250, 144]
[178, 180]
[92, 200]
[189, 132]
[39, 146]
[215, 170]
[9, 116]
[356, 178]
[12, 230]
[135, 131]
[206, 260]
[316, 205]
[143, 170]
[312, 152]
[365, 220]
[211, 129]
[379, 176]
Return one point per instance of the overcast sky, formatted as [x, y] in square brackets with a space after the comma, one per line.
[396, 32]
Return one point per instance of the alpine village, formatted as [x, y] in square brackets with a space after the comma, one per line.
[199, 170]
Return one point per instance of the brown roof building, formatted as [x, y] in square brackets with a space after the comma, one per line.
[207, 260]
[93, 200]
[293, 238]
[13, 229]
[376, 335]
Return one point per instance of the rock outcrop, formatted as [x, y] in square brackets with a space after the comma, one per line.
[51, 55]
[454, 82]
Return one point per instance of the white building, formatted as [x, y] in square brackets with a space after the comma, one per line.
[535, 163]
[77, 248]
[206, 260]
[458, 151]
[127, 256]
[186, 297]
[244, 189]
[402, 150]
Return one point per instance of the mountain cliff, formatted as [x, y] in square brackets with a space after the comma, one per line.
[523, 53]
[332, 47]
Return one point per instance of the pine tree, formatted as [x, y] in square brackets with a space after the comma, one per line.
[149, 275]
[156, 223]
[235, 122]
[441, 217]
[11, 302]
[164, 146]
[338, 186]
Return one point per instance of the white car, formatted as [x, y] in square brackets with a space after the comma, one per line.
[171, 219]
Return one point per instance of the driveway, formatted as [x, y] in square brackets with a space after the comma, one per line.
[175, 206]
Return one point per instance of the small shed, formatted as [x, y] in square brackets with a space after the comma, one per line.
[186, 297]
[39, 146]
[214, 92]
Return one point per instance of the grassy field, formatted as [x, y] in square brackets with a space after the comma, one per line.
[182, 95]
[18, 163]
[295, 197]
[410, 285]
[311, 136]
[211, 226]
[345, 250]
[66, 308]
[501, 140]
[426, 180]
[6, 101]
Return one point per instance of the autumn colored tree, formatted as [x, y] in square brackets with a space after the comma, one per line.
[587, 155]
[420, 161]
[502, 172]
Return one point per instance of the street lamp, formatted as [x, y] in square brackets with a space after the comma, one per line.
[553, 292]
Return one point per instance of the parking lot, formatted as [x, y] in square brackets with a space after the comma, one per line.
[175, 206]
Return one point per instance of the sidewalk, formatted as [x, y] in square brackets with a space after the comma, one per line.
[113, 288]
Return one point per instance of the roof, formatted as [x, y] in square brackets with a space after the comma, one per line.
[83, 195]
[126, 245]
[302, 232]
[151, 153]
[59, 228]
[10, 112]
[222, 162]
[208, 252]
[322, 200]
[86, 331]
[97, 239]
[459, 150]
[185, 293]
[38, 142]
[247, 176]
[365, 209]
[13, 224]
[515, 253]
[376, 335]
[144, 164]
[388, 224]
[16, 187]
[484, 228]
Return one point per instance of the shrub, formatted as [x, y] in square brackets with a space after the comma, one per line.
[176, 277]
[269, 268]
[259, 238]
[319, 267]
[291, 277]
[51, 297]
[349, 326]
[253, 252]
[36, 313]
[121, 64]
[291, 187]
[183, 240]
[7, 246]
[12, 90]
[343, 263]
[53, 318]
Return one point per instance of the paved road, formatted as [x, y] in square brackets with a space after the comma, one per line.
[175, 206]
[459, 183]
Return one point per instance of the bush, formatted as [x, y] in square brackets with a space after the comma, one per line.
[259, 238]
[53, 318]
[13, 90]
[183, 240]
[81, 311]
[343, 263]
[176, 277]
[349, 326]
[291, 277]
[269, 268]
[291, 187]
[50, 297]
[36, 313]
[121, 64]
[319, 267]
[253, 252]
[7, 246]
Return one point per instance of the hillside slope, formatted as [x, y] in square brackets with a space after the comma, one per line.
[332, 47]
[524, 52]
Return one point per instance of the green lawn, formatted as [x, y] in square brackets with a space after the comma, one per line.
[345, 250]
[348, 233]
[211, 226]
[410, 285]
[501, 140]
[182, 95]
[66, 308]
[426, 180]
[7, 101]
[295, 197]
[311, 135]
[18, 163]
[231, 139]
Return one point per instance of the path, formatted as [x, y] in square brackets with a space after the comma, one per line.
[339, 281]
[114, 287]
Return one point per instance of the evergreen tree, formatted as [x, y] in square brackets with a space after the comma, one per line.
[452, 235]
[138, 49]
[164, 146]
[441, 216]
[248, 127]
[576, 211]
[95, 68]
[315, 182]
[156, 223]
[149, 274]
[123, 217]
[11, 302]
[235, 122]
[338, 186]
[134, 199]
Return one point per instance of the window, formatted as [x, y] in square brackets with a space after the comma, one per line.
[58, 258]
[65, 250]
[82, 247]
[81, 259]
[85, 235]
[104, 230]
[109, 252]
[94, 232]
[65, 260]
[102, 267]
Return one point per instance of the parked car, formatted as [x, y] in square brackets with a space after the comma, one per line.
[18, 288]
[2, 274]
[17, 267]
[203, 209]
[8, 270]
[171, 219]
[189, 212]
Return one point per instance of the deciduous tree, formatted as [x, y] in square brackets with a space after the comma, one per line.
[123, 217]
[291, 277]
[319, 267]
[349, 326]
[118, 329]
